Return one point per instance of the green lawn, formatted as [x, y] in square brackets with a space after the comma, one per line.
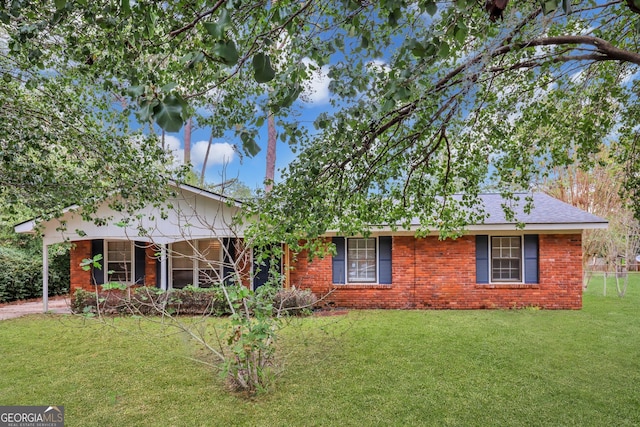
[369, 368]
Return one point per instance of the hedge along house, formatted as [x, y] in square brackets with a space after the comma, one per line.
[190, 240]
[493, 265]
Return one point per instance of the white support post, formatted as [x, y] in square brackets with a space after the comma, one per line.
[163, 267]
[45, 278]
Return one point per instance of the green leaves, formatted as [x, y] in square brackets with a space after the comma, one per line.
[262, 70]
[224, 48]
[217, 29]
[125, 6]
[249, 144]
[169, 113]
[226, 52]
[430, 7]
[423, 50]
[550, 6]
[460, 31]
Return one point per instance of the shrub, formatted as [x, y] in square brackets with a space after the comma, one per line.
[294, 301]
[188, 301]
[149, 301]
[21, 274]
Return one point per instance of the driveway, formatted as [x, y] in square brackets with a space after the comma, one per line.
[58, 305]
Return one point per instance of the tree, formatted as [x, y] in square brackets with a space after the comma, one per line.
[429, 97]
[597, 189]
[220, 271]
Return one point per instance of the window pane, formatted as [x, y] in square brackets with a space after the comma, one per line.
[181, 264]
[182, 278]
[119, 266]
[209, 249]
[506, 259]
[182, 255]
[206, 278]
[209, 262]
[119, 251]
[361, 260]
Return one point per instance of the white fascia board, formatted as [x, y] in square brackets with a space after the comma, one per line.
[206, 193]
[29, 227]
[26, 227]
[540, 227]
[489, 228]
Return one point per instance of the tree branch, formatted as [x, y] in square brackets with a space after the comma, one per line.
[604, 47]
[197, 19]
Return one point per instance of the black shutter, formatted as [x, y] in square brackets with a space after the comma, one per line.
[97, 247]
[531, 258]
[261, 270]
[338, 260]
[140, 260]
[228, 258]
[159, 269]
[384, 257]
[482, 259]
[159, 265]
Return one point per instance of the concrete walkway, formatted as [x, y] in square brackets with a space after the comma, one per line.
[58, 305]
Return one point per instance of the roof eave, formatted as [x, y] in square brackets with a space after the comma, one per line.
[569, 226]
[476, 228]
[29, 226]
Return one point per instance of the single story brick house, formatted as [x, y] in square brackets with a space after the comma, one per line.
[493, 265]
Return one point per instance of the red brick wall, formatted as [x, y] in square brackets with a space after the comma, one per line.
[150, 266]
[79, 278]
[430, 273]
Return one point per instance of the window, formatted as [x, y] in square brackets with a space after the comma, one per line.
[119, 262]
[506, 259]
[361, 260]
[181, 265]
[209, 262]
[199, 268]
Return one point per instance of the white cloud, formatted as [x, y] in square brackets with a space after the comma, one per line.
[316, 90]
[174, 146]
[220, 153]
[379, 66]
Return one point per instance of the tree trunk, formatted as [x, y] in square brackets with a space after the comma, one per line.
[187, 142]
[206, 158]
[271, 153]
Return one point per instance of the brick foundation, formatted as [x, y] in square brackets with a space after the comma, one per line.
[441, 274]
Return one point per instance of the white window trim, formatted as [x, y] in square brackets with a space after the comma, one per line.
[195, 263]
[346, 261]
[105, 269]
[522, 263]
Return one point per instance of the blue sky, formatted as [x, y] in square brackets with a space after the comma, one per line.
[225, 164]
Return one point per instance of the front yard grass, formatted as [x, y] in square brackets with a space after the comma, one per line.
[373, 368]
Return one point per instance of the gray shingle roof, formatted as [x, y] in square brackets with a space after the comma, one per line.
[546, 210]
